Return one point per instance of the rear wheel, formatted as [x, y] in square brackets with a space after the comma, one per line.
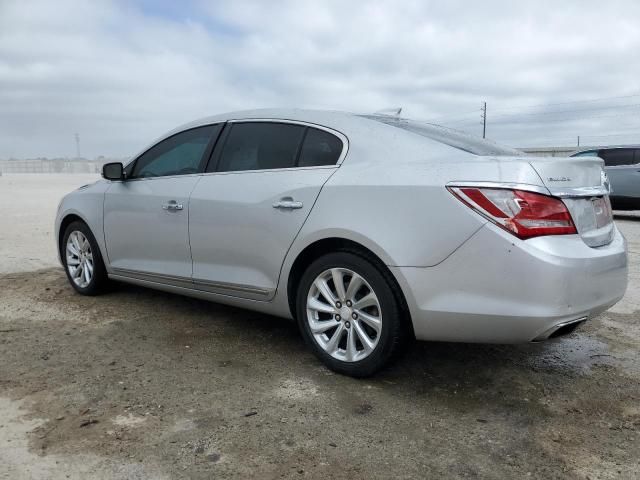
[82, 260]
[348, 313]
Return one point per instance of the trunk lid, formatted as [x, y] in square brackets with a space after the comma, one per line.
[581, 176]
[583, 185]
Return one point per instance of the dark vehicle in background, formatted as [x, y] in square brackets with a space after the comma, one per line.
[622, 165]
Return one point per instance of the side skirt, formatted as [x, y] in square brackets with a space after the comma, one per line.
[190, 291]
[222, 288]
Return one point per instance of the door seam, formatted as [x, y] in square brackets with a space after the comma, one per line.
[286, 255]
[189, 223]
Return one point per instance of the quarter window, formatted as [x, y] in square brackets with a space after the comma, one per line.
[181, 154]
[617, 157]
[260, 146]
[320, 148]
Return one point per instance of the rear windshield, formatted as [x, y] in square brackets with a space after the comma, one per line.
[448, 136]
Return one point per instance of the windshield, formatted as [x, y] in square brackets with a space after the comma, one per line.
[448, 136]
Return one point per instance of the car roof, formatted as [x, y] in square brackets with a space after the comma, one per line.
[358, 128]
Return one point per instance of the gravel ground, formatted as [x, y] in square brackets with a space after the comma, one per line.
[142, 384]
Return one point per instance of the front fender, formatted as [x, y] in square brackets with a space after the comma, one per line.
[87, 204]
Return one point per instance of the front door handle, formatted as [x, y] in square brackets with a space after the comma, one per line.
[172, 206]
[287, 203]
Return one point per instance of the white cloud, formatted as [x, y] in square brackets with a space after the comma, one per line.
[121, 73]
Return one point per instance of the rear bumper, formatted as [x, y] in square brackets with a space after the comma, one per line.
[498, 289]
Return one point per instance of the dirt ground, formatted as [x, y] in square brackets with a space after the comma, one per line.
[142, 384]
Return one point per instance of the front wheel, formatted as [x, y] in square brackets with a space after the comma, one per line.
[349, 314]
[82, 260]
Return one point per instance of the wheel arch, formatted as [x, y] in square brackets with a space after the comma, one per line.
[67, 220]
[323, 246]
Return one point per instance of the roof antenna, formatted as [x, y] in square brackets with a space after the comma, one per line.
[390, 112]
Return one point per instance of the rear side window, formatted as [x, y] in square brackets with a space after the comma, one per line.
[180, 154]
[319, 148]
[618, 157]
[260, 146]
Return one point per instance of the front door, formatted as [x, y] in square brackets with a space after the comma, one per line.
[146, 216]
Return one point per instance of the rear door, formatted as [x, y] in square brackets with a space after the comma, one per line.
[146, 216]
[245, 212]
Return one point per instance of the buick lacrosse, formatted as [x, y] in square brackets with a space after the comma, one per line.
[369, 230]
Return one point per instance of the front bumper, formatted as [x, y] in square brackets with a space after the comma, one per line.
[498, 289]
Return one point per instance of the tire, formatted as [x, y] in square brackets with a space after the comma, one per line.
[360, 358]
[86, 255]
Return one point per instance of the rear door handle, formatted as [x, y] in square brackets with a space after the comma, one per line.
[287, 203]
[172, 206]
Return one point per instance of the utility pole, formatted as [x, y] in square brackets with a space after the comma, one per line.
[77, 136]
[578, 140]
[484, 119]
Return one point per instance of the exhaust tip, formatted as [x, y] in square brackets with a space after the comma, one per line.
[560, 330]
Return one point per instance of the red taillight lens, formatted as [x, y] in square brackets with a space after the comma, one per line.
[525, 214]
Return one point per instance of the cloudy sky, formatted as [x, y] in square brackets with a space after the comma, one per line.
[120, 73]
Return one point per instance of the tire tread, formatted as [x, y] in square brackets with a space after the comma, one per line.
[396, 338]
[100, 281]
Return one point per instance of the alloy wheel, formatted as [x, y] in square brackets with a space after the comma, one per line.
[79, 259]
[344, 314]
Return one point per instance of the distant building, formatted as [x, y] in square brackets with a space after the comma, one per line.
[54, 165]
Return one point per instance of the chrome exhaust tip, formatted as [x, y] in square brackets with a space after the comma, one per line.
[560, 330]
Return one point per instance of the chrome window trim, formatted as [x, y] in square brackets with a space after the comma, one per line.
[274, 170]
[232, 172]
[130, 180]
[340, 135]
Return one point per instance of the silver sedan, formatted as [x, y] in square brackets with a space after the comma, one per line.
[368, 230]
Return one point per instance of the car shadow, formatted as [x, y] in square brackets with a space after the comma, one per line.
[422, 366]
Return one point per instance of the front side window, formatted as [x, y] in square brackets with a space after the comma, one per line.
[260, 146]
[181, 154]
[319, 148]
[617, 157]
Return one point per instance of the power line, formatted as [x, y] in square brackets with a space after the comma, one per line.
[593, 100]
[555, 112]
[458, 115]
[569, 103]
[513, 118]
[637, 132]
[566, 137]
[584, 139]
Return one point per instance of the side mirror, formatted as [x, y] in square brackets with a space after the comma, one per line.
[113, 171]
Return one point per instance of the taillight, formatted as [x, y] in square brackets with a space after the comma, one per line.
[525, 214]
